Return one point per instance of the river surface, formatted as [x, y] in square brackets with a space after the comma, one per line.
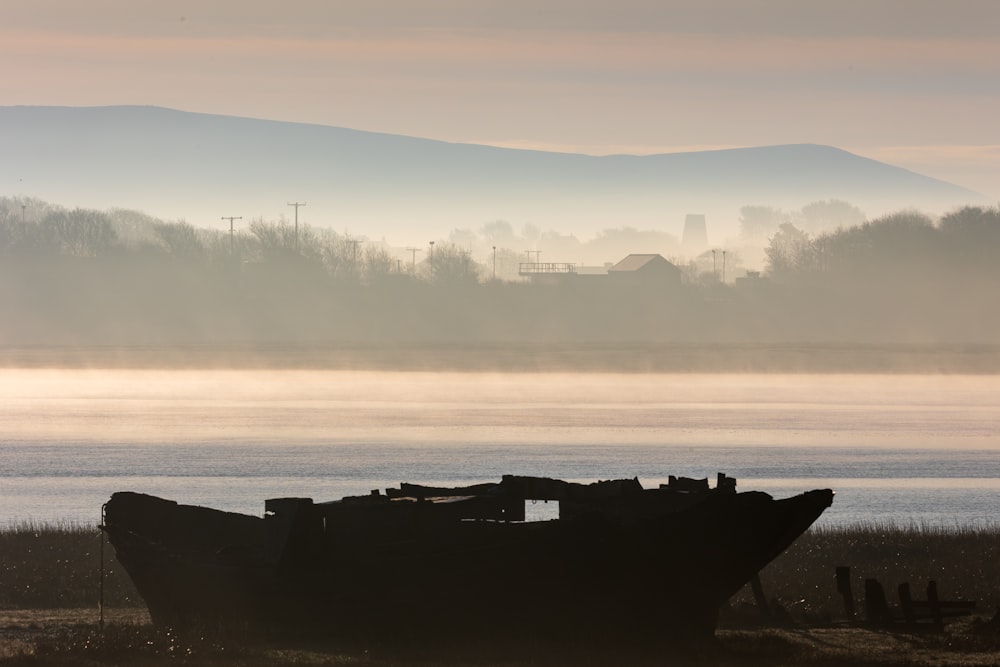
[905, 449]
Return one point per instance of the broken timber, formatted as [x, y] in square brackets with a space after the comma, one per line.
[914, 615]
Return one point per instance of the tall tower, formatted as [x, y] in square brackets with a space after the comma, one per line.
[695, 238]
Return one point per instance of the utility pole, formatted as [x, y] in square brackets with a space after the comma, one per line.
[715, 271]
[230, 219]
[494, 262]
[296, 205]
[354, 257]
[723, 267]
[413, 259]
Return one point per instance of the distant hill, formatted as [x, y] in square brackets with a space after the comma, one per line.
[199, 167]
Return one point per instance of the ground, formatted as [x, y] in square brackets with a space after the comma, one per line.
[71, 638]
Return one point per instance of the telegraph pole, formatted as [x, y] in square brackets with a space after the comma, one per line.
[494, 262]
[296, 205]
[354, 257]
[230, 219]
[413, 259]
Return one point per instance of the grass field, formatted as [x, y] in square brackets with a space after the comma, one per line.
[50, 589]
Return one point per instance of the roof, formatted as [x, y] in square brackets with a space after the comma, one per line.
[637, 262]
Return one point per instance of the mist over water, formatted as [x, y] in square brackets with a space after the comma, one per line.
[901, 448]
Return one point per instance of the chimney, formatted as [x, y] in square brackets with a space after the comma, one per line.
[695, 238]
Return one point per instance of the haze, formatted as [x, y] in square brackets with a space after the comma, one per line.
[302, 408]
[909, 82]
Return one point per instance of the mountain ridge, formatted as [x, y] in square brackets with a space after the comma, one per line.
[198, 166]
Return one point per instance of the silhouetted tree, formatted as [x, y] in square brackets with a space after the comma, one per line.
[971, 236]
[500, 233]
[180, 240]
[759, 222]
[379, 264]
[787, 251]
[451, 266]
[823, 216]
[558, 247]
[275, 241]
[79, 233]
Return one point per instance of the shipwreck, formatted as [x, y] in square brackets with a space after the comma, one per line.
[617, 560]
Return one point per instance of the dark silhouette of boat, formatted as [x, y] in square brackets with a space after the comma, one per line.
[417, 562]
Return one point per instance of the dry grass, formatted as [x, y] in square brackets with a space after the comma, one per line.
[44, 566]
[965, 561]
[57, 567]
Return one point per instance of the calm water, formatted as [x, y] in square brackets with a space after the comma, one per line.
[906, 449]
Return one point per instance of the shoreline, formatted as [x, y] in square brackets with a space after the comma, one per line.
[626, 357]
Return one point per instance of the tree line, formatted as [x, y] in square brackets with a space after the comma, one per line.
[81, 276]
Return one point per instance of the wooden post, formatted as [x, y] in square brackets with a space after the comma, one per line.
[876, 608]
[844, 588]
[906, 602]
[932, 601]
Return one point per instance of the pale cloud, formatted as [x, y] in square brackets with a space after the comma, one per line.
[592, 76]
[961, 19]
[619, 58]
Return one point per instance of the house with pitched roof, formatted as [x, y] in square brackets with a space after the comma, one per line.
[640, 269]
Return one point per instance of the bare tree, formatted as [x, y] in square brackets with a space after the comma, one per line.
[275, 240]
[451, 265]
[181, 240]
[79, 233]
[378, 264]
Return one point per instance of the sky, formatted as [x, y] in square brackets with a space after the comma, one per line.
[915, 83]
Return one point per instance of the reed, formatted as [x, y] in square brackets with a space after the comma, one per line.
[58, 565]
[49, 566]
[964, 560]
[45, 567]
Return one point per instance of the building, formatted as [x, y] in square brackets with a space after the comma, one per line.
[646, 270]
[695, 237]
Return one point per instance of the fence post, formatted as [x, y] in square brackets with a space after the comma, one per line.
[844, 588]
[906, 603]
[934, 604]
[876, 607]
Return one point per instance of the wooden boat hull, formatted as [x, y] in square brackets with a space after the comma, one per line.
[386, 571]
